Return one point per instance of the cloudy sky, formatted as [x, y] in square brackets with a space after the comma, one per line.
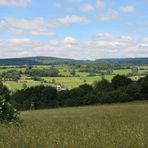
[79, 29]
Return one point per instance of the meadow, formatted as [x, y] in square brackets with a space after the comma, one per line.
[67, 80]
[104, 126]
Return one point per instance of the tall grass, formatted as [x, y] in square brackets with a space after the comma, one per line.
[106, 126]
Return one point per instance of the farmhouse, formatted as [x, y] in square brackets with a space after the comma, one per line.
[59, 88]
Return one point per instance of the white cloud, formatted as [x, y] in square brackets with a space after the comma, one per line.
[127, 9]
[146, 39]
[108, 16]
[68, 20]
[21, 41]
[57, 5]
[100, 4]
[69, 40]
[15, 3]
[110, 37]
[74, 1]
[144, 45]
[38, 26]
[87, 8]
[102, 46]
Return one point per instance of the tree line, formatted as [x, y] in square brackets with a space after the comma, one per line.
[120, 89]
[14, 75]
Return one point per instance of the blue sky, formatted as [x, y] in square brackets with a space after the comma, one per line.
[80, 29]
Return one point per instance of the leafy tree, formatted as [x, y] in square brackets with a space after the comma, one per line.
[102, 86]
[24, 86]
[53, 72]
[8, 113]
[144, 84]
[72, 71]
[114, 97]
[86, 88]
[134, 91]
[134, 71]
[53, 81]
[109, 71]
[120, 81]
[11, 75]
[78, 95]
[42, 96]
[63, 96]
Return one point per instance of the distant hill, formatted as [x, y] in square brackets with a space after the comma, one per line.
[40, 60]
[125, 61]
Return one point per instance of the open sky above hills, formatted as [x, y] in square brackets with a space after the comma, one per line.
[79, 29]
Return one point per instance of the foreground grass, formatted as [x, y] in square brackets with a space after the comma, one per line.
[106, 126]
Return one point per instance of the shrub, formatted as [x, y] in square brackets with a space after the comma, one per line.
[102, 86]
[144, 84]
[8, 113]
[42, 96]
[120, 81]
[133, 90]
[114, 97]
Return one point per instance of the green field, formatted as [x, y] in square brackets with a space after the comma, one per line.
[67, 80]
[102, 126]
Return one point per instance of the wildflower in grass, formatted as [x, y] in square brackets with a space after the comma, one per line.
[8, 112]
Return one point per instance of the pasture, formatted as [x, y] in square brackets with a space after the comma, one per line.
[66, 80]
[103, 126]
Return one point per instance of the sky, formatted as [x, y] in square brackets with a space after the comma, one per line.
[78, 29]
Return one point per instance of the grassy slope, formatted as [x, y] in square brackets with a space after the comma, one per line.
[106, 126]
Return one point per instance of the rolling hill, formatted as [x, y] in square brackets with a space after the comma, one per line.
[41, 60]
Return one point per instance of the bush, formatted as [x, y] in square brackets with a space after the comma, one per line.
[144, 84]
[134, 91]
[8, 113]
[115, 96]
[102, 86]
[120, 81]
[42, 96]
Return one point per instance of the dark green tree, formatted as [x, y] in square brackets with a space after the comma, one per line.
[144, 84]
[8, 112]
[72, 71]
[102, 86]
[24, 86]
[120, 81]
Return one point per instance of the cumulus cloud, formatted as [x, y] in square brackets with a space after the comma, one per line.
[15, 3]
[100, 4]
[109, 16]
[87, 8]
[127, 9]
[57, 5]
[70, 40]
[146, 39]
[110, 37]
[74, 1]
[102, 46]
[38, 26]
[68, 20]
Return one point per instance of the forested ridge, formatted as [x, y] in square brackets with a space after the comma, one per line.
[40, 60]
